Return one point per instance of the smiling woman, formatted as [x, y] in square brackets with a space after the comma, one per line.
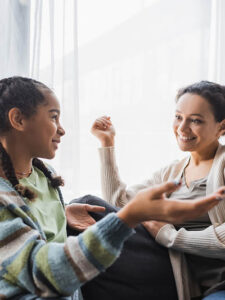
[198, 124]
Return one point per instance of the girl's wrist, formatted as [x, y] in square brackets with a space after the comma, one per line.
[124, 215]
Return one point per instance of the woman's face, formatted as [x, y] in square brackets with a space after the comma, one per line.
[195, 127]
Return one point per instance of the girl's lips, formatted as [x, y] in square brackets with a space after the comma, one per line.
[55, 143]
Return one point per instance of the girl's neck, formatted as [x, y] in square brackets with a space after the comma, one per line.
[22, 163]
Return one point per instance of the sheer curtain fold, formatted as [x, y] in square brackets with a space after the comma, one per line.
[217, 42]
[54, 62]
[35, 37]
[52, 40]
[15, 37]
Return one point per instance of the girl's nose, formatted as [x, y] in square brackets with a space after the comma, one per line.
[61, 131]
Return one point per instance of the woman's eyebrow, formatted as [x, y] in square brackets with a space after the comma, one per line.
[199, 115]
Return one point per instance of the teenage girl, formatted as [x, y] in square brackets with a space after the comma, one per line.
[37, 260]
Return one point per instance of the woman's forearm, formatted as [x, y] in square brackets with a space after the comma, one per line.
[204, 243]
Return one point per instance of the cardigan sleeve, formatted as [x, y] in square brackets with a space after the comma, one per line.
[29, 264]
[209, 242]
[114, 190]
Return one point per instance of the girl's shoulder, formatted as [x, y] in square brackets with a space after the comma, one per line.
[8, 195]
[50, 168]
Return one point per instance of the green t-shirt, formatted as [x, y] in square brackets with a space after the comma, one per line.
[47, 207]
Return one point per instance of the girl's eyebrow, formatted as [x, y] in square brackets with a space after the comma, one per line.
[54, 110]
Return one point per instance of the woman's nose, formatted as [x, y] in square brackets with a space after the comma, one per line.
[183, 126]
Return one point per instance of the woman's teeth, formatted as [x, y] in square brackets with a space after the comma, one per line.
[186, 138]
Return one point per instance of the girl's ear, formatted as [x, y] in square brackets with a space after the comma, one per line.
[16, 119]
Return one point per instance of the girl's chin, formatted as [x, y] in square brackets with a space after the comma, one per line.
[48, 155]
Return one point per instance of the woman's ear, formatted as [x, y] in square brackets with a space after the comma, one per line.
[16, 119]
[222, 127]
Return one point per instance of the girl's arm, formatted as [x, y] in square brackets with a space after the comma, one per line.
[29, 264]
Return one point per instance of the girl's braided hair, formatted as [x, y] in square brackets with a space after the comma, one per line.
[26, 94]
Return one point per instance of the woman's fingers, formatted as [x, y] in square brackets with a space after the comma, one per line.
[102, 123]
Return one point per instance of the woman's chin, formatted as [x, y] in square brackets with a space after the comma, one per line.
[185, 148]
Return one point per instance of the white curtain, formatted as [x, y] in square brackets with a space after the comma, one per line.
[53, 60]
[217, 45]
[217, 42]
[133, 56]
[39, 40]
[14, 37]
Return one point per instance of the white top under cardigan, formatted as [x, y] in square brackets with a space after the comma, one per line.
[209, 242]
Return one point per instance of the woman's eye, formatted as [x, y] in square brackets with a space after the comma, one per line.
[196, 121]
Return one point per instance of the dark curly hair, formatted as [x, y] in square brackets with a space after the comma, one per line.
[26, 94]
[213, 93]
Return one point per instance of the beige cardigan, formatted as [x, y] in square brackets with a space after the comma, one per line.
[209, 242]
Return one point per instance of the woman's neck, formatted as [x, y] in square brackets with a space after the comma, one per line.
[204, 156]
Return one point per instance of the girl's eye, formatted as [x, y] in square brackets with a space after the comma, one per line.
[196, 121]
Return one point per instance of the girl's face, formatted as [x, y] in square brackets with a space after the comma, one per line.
[195, 127]
[43, 131]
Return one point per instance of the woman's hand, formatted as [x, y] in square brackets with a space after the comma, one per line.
[104, 131]
[78, 215]
[153, 227]
[151, 204]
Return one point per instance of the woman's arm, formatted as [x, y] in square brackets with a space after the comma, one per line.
[209, 242]
[114, 190]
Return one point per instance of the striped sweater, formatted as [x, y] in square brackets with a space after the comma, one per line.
[30, 265]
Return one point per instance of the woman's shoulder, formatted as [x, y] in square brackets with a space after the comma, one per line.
[173, 170]
[220, 151]
[219, 159]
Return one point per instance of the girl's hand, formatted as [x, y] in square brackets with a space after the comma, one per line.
[151, 204]
[78, 217]
[153, 227]
[104, 131]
